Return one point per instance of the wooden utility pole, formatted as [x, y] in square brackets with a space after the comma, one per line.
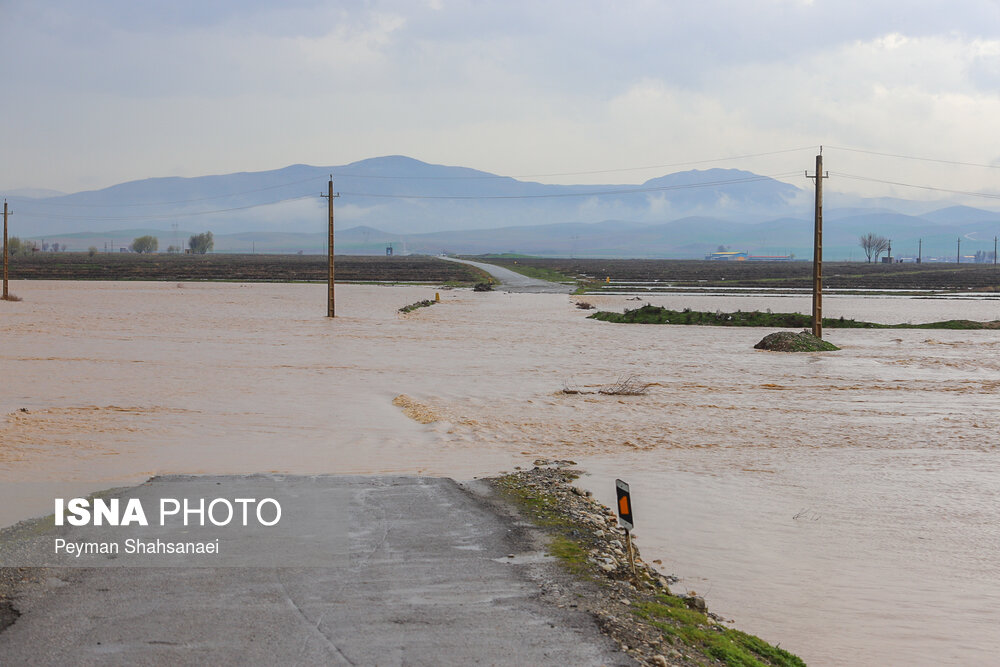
[6, 294]
[330, 307]
[994, 251]
[817, 328]
[920, 251]
[958, 251]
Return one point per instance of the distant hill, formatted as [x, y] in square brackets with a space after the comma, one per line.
[401, 195]
[33, 193]
[962, 214]
[427, 208]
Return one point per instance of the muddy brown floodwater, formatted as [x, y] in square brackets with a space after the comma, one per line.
[841, 504]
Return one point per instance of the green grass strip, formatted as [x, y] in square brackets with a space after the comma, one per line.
[754, 318]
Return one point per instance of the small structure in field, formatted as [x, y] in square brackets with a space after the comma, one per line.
[727, 256]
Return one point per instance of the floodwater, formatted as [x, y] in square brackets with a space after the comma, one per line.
[841, 504]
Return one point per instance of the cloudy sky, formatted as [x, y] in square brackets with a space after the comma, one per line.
[96, 93]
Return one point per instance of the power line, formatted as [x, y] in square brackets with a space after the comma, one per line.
[167, 216]
[589, 193]
[180, 201]
[986, 195]
[384, 177]
[913, 157]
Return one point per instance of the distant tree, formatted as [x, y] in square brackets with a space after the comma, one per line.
[873, 245]
[201, 243]
[868, 242]
[983, 256]
[16, 246]
[722, 248]
[145, 244]
[92, 250]
[883, 246]
[173, 249]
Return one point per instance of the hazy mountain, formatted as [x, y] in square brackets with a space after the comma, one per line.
[962, 214]
[420, 207]
[401, 195]
[33, 193]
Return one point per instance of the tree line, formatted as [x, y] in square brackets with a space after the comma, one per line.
[199, 244]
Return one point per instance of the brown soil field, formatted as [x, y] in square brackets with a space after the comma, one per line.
[243, 268]
[836, 275]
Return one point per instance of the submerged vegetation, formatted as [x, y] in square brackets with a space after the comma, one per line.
[649, 314]
[625, 385]
[419, 304]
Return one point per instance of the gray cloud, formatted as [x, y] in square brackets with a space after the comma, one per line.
[116, 90]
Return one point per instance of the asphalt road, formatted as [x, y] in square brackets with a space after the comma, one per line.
[515, 282]
[424, 578]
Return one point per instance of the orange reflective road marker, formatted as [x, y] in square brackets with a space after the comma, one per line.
[624, 505]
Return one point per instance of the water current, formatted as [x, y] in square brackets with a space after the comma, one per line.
[841, 504]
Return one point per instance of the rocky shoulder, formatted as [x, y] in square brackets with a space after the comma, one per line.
[634, 606]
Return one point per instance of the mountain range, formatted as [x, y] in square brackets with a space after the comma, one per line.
[426, 208]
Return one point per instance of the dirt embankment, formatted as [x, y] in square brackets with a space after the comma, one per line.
[789, 341]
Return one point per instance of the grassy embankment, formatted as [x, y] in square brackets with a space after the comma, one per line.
[660, 624]
[507, 261]
[753, 318]
[540, 272]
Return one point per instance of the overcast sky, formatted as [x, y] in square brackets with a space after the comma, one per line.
[100, 92]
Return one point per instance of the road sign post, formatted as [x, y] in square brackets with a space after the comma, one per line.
[625, 518]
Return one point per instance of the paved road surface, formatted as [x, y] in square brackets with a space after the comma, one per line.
[515, 282]
[425, 581]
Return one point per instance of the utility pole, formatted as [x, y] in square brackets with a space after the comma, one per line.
[920, 251]
[994, 251]
[6, 294]
[890, 251]
[958, 252]
[330, 195]
[817, 310]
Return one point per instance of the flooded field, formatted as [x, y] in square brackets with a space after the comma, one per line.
[841, 504]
